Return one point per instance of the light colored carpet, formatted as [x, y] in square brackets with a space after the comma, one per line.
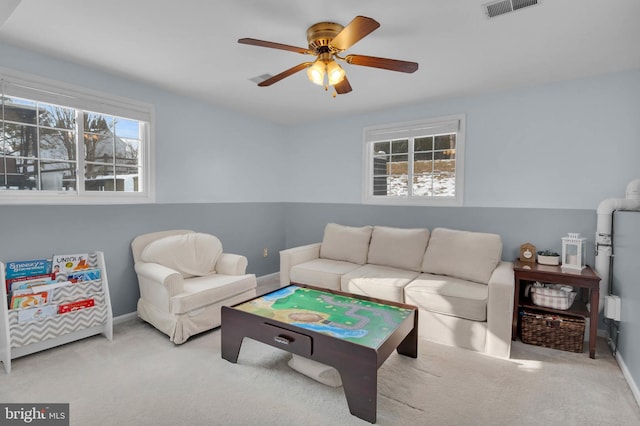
[143, 379]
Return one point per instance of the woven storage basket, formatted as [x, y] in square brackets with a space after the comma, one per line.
[553, 331]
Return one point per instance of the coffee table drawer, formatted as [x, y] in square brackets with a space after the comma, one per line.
[288, 340]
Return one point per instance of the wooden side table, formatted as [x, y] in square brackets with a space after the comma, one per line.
[586, 279]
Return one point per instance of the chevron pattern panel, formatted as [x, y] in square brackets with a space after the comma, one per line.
[79, 291]
[49, 328]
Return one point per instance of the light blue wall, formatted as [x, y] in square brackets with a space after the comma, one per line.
[204, 153]
[561, 146]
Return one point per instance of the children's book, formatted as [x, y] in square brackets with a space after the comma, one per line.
[10, 282]
[26, 268]
[28, 283]
[63, 308]
[39, 312]
[86, 275]
[29, 300]
[70, 262]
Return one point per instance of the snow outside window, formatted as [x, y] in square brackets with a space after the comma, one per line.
[415, 163]
[65, 145]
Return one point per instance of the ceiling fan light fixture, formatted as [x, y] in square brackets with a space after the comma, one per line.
[316, 72]
[335, 73]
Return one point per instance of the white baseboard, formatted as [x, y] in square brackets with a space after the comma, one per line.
[124, 318]
[268, 277]
[627, 375]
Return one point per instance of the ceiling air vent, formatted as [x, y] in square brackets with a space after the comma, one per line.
[501, 7]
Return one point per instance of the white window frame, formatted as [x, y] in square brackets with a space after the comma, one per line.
[45, 90]
[410, 130]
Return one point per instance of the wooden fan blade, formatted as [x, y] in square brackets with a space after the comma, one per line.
[284, 74]
[356, 30]
[384, 63]
[343, 87]
[262, 43]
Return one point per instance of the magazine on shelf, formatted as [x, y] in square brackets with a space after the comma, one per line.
[69, 262]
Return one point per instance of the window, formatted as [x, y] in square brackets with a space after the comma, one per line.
[60, 144]
[415, 163]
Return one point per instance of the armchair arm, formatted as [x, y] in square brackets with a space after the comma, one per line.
[153, 276]
[500, 310]
[231, 264]
[294, 256]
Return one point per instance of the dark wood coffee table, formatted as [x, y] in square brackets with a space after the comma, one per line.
[354, 334]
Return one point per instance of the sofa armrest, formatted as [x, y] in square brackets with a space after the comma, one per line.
[231, 264]
[500, 310]
[294, 256]
[152, 275]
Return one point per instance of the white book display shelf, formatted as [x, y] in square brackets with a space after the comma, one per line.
[23, 338]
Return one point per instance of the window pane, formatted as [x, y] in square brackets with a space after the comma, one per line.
[382, 148]
[16, 173]
[19, 110]
[129, 129]
[380, 166]
[52, 174]
[400, 147]
[127, 151]
[58, 144]
[99, 146]
[97, 123]
[97, 170]
[127, 179]
[444, 184]
[423, 185]
[20, 140]
[446, 142]
[397, 185]
[423, 156]
[423, 144]
[56, 116]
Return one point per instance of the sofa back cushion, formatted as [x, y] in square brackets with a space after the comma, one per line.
[346, 243]
[466, 255]
[191, 255]
[398, 247]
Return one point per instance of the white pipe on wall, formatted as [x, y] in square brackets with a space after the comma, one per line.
[604, 229]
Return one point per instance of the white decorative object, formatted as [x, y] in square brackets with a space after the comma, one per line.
[573, 252]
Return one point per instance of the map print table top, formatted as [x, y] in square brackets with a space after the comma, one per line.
[359, 321]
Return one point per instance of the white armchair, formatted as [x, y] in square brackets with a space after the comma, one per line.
[185, 279]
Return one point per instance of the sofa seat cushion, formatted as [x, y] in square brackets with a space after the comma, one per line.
[324, 273]
[199, 292]
[466, 255]
[398, 247]
[449, 296]
[346, 243]
[193, 254]
[382, 282]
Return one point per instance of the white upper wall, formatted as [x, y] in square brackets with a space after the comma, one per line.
[204, 153]
[565, 145]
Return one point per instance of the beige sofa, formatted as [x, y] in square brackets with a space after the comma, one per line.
[463, 290]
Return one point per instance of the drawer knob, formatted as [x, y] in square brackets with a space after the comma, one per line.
[283, 340]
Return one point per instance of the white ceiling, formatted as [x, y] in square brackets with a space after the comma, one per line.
[190, 47]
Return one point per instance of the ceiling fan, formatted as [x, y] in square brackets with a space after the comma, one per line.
[326, 41]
